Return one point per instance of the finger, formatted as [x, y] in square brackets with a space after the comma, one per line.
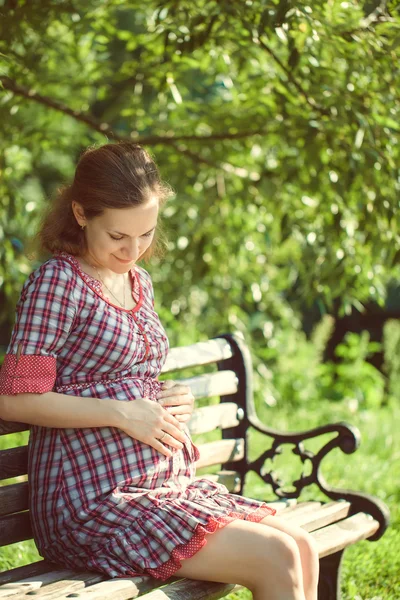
[182, 409]
[184, 418]
[167, 384]
[170, 440]
[157, 445]
[169, 419]
[172, 400]
[178, 390]
[174, 430]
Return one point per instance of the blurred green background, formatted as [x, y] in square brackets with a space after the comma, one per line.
[277, 125]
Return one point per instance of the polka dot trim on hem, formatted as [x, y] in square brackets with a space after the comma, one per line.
[198, 540]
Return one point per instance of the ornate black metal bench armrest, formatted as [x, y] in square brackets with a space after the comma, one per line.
[348, 440]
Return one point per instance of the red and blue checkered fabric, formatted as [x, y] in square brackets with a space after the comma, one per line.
[99, 499]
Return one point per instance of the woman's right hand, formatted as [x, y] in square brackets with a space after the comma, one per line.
[147, 421]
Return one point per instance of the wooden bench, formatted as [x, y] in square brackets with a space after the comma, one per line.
[224, 390]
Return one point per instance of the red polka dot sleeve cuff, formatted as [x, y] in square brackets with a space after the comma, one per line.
[30, 373]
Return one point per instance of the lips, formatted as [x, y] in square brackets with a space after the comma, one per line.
[123, 261]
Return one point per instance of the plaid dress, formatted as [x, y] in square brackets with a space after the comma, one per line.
[99, 499]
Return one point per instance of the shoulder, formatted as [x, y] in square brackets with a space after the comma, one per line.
[54, 277]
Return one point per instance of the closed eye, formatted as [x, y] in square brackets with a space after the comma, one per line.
[148, 234]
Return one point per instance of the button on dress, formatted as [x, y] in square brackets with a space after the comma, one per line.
[99, 499]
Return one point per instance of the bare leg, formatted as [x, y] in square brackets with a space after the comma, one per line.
[308, 553]
[263, 559]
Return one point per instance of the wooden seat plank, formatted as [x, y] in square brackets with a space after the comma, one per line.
[34, 569]
[302, 508]
[119, 588]
[69, 584]
[30, 584]
[128, 589]
[221, 383]
[325, 515]
[7, 427]
[230, 479]
[201, 353]
[220, 452]
[335, 537]
[209, 418]
[13, 498]
[13, 462]
[15, 528]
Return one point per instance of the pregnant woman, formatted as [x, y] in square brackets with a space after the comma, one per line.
[111, 462]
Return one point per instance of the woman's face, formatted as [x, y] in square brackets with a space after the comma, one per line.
[119, 234]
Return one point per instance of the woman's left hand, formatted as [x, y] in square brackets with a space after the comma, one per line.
[177, 399]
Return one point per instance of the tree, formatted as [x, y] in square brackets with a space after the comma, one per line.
[276, 122]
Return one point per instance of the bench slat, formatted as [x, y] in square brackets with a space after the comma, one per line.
[220, 452]
[325, 515]
[120, 588]
[13, 462]
[189, 589]
[34, 569]
[335, 537]
[15, 528]
[13, 498]
[303, 508]
[7, 427]
[34, 585]
[202, 353]
[210, 418]
[212, 384]
[125, 589]
[70, 583]
[231, 479]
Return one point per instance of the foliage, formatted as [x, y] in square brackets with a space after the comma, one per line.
[275, 122]
[290, 368]
[391, 343]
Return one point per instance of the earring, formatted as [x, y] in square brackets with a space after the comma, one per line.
[83, 227]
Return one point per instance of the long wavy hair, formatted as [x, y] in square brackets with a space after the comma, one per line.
[114, 175]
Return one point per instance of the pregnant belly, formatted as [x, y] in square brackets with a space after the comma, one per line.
[99, 460]
[106, 460]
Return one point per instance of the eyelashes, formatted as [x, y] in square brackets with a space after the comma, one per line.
[144, 235]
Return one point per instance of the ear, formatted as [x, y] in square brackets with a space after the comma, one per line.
[78, 212]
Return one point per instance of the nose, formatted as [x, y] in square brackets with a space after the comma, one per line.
[131, 250]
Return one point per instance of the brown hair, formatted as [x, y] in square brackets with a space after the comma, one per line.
[115, 175]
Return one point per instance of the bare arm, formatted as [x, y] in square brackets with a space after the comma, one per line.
[142, 419]
[57, 410]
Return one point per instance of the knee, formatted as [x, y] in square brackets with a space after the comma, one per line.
[289, 550]
[307, 546]
[278, 566]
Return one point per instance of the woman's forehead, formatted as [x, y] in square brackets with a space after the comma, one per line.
[131, 217]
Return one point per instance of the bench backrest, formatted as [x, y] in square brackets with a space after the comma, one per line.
[224, 395]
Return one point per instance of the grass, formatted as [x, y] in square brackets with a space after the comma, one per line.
[370, 569]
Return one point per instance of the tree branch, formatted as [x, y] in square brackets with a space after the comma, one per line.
[104, 128]
[32, 94]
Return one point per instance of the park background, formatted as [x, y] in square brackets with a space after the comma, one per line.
[277, 125]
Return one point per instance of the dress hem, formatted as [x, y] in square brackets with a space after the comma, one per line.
[190, 548]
